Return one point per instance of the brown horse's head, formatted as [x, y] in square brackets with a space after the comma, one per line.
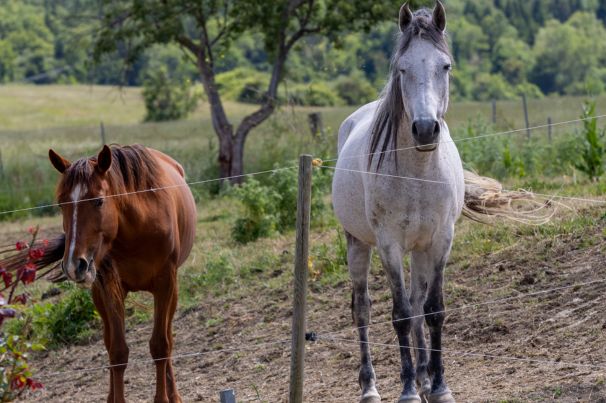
[90, 219]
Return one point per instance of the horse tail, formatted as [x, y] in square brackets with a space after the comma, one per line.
[43, 256]
[485, 197]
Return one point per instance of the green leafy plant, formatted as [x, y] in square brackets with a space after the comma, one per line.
[592, 151]
[15, 375]
[259, 218]
[166, 98]
[272, 206]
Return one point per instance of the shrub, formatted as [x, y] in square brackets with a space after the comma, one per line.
[259, 206]
[70, 320]
[355, 89]
[316, 94]
[243, 84]
[272, 206]
[166, 98]
[592, 151]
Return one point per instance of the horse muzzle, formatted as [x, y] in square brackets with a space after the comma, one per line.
[80, 270]
[426, 134]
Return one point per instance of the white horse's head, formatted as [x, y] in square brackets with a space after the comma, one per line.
[423, 65]
[415, 99]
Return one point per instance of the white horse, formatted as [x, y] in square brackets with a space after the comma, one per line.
[398, 215]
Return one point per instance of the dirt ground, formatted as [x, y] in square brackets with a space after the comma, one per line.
[520, 350]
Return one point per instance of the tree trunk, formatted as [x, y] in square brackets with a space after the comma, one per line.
[231, 145]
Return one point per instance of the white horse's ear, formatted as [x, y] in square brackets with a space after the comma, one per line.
[439, 16]
[405, 16]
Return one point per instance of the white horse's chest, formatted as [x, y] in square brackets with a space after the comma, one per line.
[412, 213]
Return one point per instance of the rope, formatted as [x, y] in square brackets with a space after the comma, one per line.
[468, 353]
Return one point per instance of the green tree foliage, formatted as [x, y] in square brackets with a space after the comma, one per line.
[535, 47]
[570, 56]
[167, 98]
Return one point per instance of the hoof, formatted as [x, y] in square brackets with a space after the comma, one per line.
[371, 396]
[424, 386]
[441, 397]
[410, 399]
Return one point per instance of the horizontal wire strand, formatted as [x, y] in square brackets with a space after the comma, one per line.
[283, 168]
[468, 353]
[172, 357]
[467, 306]
[472, 137]
[187, 184]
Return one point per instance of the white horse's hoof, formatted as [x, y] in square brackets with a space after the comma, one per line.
[410, 399]
[441, 397]
[371, 396]
[424, 387]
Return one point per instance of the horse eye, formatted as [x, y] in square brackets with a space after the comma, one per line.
[447, 67]
[99, 202]
[402, 71]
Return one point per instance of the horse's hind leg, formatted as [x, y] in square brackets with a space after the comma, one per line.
[160, 345]
[391, 257]
[358, 261]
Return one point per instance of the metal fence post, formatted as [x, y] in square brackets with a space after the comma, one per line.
[227, 396]
[297, 355]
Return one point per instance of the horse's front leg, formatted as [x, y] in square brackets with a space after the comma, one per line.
[110, 306]
[391, 257]
[358, 261]
[432, 263]
[161, 342]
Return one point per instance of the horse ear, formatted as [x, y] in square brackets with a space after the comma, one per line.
[104, 159]
[60, 163]
[439, 16]
[405, 16]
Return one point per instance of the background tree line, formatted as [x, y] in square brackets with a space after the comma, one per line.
[501, 48]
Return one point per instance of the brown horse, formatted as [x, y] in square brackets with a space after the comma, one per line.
[118, 241]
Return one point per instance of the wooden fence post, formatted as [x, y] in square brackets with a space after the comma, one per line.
[549, 128]
[494, 111]
[526, 115]
[102, 127]
[315, 124]
[227, 396]
[297, 353]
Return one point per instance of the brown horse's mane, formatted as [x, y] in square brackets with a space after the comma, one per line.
[388, 116]
[133, 169]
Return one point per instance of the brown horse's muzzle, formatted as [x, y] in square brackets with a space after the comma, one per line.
[80, 270]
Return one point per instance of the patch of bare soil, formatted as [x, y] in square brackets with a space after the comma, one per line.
[519, 350]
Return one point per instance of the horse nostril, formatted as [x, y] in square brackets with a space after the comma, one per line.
[415, 131]
[82, 267]
[436, 129]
